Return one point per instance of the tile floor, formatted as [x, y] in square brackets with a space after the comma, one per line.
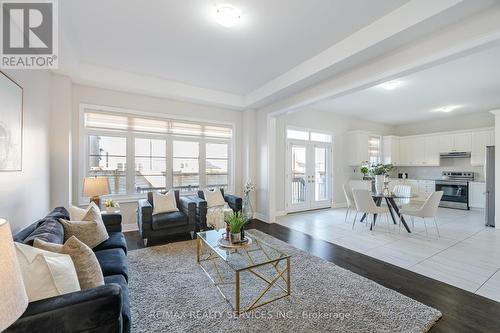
[467, 255]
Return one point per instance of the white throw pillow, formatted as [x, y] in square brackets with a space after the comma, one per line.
[77, 213]
[164, 203]
[213, 198]
[46, 274]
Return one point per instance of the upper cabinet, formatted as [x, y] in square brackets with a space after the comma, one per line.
[418, 151]
[456, 142]
[480, 140]
[390, 150]
[357, 147]
[431, 150]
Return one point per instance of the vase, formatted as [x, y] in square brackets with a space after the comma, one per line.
[247, 209]
[379, 183]
[235, 238]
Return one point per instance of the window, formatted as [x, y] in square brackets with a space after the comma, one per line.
[307, 135]
[217, 165]
[107, 157]
[164, 153]
[296, 134]
[150, 165]
[321, 137]
[186, 172]
[373, 149]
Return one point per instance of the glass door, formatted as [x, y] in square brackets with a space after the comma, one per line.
[308, 176]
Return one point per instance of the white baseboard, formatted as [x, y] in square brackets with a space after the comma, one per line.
[280, 213]
[261, 217]
[339, 205]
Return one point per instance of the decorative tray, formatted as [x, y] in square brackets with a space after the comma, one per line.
[227, 244]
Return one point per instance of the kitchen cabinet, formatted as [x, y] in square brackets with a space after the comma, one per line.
[390, 150]
[477, 196]
[418, 186]
[418, 151]
[357, 143]
[431, 154]
[480, 139]
[455, 142]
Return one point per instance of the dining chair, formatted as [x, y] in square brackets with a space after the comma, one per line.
[403, 193]
[427, 210]
[351, 205]
[366, 205]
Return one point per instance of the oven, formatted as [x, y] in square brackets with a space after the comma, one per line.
[455, 193]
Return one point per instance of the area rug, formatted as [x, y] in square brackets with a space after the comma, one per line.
[169, 292]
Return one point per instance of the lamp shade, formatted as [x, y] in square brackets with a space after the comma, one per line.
[14, 300]
[95, 186]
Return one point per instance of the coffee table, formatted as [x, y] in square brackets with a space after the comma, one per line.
[252, 258]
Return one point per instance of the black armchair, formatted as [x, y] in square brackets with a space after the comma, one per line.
[166, 224]
[235, 202]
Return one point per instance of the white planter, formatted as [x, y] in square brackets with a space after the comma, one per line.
[379, 183]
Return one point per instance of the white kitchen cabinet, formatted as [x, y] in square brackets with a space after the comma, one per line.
[404, 151]
[390, 150]
[357, 144]
[477, 197]
[431, 150]
[455, 142]
[480, 139]
[359, 184]
[412, 151]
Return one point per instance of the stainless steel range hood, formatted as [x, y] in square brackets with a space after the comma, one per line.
[455, 154]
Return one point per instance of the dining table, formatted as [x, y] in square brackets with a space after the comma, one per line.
[390, 200]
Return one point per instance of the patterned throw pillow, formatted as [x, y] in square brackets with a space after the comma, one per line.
[87, 267]
[91, 230]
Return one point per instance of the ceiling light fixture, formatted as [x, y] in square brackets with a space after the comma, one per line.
[448, 108]
[391, 85]
[227, 15]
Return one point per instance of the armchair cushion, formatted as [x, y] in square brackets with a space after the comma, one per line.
[113, 262]
[169, 220]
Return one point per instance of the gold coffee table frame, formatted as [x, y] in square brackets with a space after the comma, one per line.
[257, 245]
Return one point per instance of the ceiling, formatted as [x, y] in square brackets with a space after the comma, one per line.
[175, 49]
[472, 81]
[179, 40]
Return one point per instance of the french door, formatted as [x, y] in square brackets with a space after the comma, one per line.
[308, 175]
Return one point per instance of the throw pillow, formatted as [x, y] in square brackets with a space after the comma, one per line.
[50, 231]
[164, 203]
[213, 198]
[76, 213]
[87, 267]
[91, 230]
[46, 274]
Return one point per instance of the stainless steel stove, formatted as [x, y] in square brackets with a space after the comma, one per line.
[455, 187]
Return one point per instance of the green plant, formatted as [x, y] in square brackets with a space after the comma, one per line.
[364, 170]
[236, 222]
[381, 169]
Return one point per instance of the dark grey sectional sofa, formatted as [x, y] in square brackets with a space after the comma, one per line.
[102, 309]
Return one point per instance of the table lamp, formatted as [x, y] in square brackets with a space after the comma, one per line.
[14, 299]
[94, 187]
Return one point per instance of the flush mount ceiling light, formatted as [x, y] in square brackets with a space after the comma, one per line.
[448, 108]
[227, 15]
[391, 85]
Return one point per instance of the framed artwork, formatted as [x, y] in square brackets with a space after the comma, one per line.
[11, 124]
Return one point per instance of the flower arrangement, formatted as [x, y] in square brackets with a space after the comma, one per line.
[111, 204]
[381, 169]
[249, 187]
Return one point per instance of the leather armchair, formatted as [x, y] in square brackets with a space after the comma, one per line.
[166, 224]
[235, 202]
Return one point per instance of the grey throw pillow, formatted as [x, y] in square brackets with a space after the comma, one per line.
[90, 231]
[87, 267]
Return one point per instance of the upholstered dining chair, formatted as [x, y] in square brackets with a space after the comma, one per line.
[427, 210]
[351, 205]
[366, 205]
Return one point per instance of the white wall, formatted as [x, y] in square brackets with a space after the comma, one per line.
[447, 123]
[24, 195]
[336, 124]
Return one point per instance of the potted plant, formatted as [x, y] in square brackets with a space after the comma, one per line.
[111, 206]
[380, 171]
[235, 222]
[364, 170]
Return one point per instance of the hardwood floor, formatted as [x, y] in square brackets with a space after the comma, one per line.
[462, 311]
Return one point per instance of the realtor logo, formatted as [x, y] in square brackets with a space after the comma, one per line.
[29, 34]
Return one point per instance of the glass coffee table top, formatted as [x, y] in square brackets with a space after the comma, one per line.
[255, 254]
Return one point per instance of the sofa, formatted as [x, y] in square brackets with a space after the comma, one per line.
[101, 309]
[165, 224]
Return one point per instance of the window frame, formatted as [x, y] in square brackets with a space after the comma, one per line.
[131, 195]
